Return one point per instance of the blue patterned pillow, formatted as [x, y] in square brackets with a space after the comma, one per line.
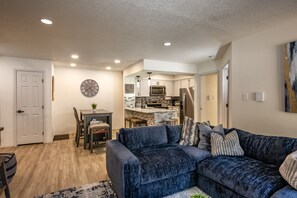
[189, 136]
[204, 135]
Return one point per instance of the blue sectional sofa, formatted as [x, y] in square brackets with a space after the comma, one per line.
[149, 162]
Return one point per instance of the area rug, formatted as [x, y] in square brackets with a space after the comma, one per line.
[104, 189]
[101, 189]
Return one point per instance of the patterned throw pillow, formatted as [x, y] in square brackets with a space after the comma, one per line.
[288, 169]
[204, 135]
[189, 136]
[228, 145]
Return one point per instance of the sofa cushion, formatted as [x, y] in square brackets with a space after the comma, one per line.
[245, 176]
[204, 135]
[173, 133]
[288, 169]
[189, 136]
[270, 149]
[286, 192]
[196, 153]
[134, 138]
[161, 162]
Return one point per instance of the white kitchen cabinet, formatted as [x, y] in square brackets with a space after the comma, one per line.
[159, 82]
[169, 87]
[154, 82]
[184, 83]
[144, 88]
[176, 87]
[192, 82]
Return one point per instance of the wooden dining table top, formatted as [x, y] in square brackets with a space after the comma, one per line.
[97, 111]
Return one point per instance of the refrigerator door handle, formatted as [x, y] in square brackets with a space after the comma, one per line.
[184, 104]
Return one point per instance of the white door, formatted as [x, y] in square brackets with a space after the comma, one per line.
[209, 98]
[225, 84]
[29, 107]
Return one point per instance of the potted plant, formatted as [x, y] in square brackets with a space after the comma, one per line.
[94, 106]
[198, 195]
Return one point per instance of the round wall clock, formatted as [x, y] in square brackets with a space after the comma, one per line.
[89, 88]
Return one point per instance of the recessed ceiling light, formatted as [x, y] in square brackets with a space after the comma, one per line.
[167, 44]
[72, 64]
[74, 56]
[108, 68]
[117, 61]
[46, 21]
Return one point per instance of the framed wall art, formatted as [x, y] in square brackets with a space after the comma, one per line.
[290, 76]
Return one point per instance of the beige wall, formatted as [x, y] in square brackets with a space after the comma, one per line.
[215, 66]
[8, 68]
[68, 95]
[257, 66]
[209, 98]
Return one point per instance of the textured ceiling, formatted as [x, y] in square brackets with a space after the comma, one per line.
[102, 30]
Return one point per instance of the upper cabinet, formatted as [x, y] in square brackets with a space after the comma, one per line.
[176, 87]
[192, 82]
[184, 83]
[144, 88]
[172, 86]
[169, 88]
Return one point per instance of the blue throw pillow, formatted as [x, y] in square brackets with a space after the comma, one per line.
[204, 135]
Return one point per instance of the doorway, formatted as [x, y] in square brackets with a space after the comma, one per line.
[225, 92]
[209, 98]
[29, 107]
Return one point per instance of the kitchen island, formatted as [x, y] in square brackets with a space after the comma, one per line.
[154, 116]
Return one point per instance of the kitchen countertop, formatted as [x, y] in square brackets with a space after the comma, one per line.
[150, 110]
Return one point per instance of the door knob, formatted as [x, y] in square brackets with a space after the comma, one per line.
[20, 111]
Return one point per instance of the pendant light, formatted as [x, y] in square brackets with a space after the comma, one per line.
[138, 82]
[149, 78]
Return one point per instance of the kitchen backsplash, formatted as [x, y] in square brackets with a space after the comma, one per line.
[153, 99]
[132, 101]
[129, 101]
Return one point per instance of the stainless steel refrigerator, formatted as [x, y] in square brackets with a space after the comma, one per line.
[186, 103]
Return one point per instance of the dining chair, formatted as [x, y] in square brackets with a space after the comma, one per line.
[8, 165]
[79, 127]
[97, 129]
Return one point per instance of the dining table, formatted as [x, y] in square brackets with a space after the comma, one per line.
[88, 115]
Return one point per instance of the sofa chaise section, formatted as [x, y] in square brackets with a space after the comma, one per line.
[256, 174]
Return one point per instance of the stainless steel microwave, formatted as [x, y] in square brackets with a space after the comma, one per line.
[156, 90]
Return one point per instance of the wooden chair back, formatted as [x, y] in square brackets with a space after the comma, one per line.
[76, 115]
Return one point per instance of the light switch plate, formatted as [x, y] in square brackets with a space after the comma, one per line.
[260, 96]
[245, 97]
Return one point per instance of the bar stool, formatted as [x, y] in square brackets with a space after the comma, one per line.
[95, 129]
[128, 119]
[170, 121]
[136, 122]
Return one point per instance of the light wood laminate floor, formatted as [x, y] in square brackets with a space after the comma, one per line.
[44, 168]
